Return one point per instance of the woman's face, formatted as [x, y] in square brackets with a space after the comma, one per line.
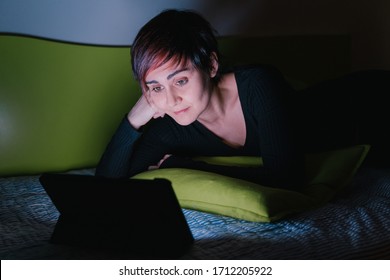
[178, 90]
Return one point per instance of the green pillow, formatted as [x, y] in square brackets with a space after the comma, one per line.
[326, 174]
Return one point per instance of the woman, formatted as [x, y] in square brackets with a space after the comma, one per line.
[190, 107]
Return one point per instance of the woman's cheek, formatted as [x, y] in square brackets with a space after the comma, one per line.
[159, 102]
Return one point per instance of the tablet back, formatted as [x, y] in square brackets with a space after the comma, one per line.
[142, 217]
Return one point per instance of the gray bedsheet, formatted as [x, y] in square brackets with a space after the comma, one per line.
[354, 225]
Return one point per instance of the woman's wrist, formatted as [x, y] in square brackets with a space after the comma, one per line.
[133, 121]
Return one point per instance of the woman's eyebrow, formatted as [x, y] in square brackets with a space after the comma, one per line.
[170, 76]
[151, 82]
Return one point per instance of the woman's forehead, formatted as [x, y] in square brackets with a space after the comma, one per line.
[169, 68]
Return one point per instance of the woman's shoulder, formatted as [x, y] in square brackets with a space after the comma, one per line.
[250, 68]
[255, 74]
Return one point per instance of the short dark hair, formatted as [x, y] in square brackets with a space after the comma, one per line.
[181, 35]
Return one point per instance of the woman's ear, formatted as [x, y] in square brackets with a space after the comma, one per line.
[214, 65]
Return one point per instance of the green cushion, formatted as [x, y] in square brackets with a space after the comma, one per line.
[327, 173]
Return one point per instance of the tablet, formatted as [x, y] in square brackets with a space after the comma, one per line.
[141, 217]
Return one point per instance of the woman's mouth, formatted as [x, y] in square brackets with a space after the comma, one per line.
[181, 111]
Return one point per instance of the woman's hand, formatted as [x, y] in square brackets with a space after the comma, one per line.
[142, 112]
[152, 167]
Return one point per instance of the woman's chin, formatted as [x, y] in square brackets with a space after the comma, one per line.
[184, 121]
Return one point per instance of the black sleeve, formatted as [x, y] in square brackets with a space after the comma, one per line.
[130, 152]
[115, 161]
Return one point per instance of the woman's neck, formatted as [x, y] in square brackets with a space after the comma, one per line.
[222, 98]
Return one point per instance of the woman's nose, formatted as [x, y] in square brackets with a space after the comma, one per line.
[173, 98]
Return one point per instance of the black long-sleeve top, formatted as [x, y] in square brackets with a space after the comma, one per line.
[266, 103]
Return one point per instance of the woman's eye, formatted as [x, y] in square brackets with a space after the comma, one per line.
[157, 89]
[181, 82]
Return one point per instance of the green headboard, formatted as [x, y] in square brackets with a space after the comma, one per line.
[60, 102]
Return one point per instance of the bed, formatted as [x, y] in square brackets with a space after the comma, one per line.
[353, 225]
[51, 131]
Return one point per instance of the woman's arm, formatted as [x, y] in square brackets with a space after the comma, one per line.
[130, 152]
[118, 159]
